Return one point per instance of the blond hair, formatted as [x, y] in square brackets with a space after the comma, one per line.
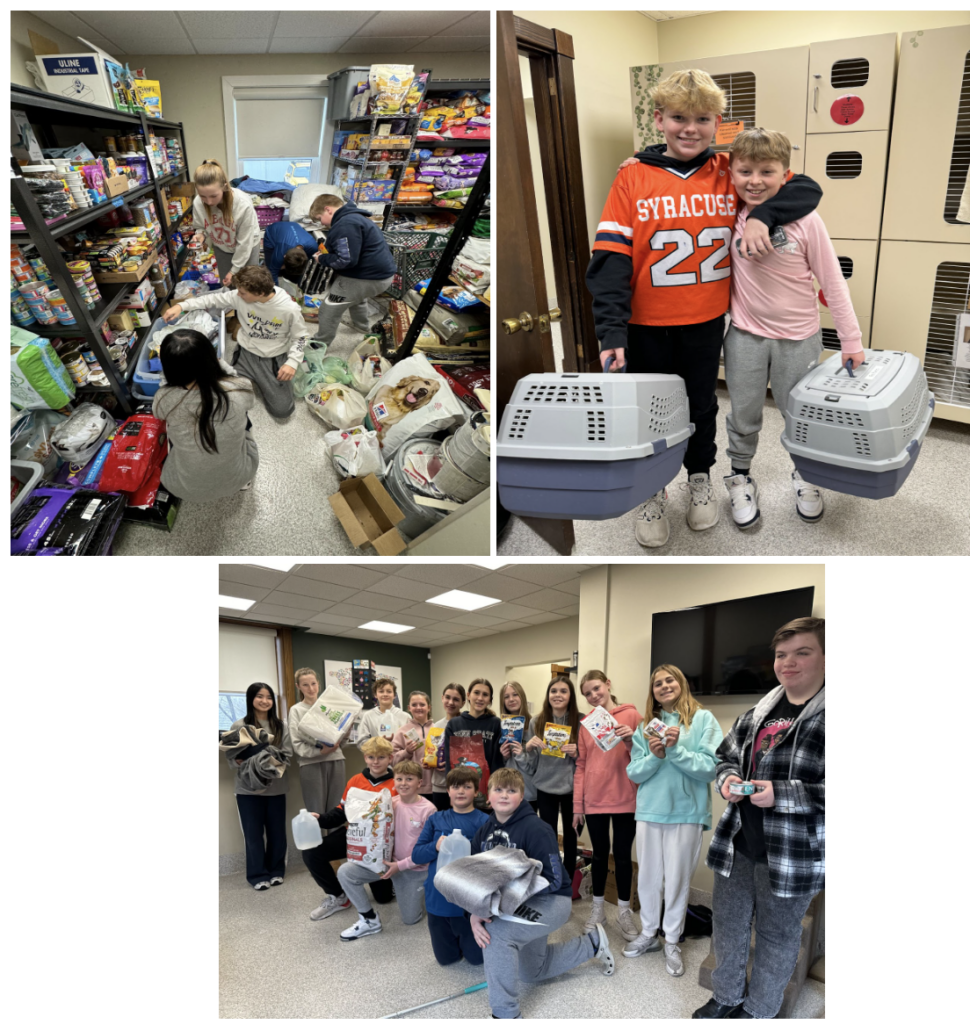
[322, 202]
[210, 172]
[408, 768]
[523, 703]
[376, 746]
[301, 672]
[760, 144]
[686, 706]
[689, 92]
[507, 778]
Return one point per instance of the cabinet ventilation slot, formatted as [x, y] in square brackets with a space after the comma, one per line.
[852, 73]
[845, 262]
[951, 297]
[830, 339]
[843, 165]
[960, 161]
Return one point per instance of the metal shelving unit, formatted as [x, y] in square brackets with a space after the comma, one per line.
[46, 112]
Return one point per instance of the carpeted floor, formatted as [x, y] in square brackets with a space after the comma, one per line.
[317, 975]
[285, 512]
[927, 517]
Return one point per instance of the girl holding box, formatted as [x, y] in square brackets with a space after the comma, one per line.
[412, 749]
[228, 220]
[322, 769]
[512, 702]
[452, 700]
[674, 774]
[603, 793]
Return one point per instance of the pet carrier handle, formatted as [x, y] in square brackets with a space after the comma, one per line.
[848, 367]
[609, 363]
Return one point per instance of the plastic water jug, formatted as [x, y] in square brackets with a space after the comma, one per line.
[455, 846]
[306, 831]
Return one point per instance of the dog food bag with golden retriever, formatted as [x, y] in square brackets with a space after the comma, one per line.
[412, 400]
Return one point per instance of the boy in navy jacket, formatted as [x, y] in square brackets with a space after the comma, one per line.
[517, 950]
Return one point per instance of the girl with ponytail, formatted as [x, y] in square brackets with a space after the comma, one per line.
[226, 218]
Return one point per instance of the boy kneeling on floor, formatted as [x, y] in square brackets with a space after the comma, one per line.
[515, 951]
[376, 776]
[411, 811]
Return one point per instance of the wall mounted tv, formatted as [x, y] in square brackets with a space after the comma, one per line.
[724, 648]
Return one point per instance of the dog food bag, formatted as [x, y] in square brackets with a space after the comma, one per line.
[370, 827]
[601, 725]
[469, 752]
[432, 747]
[390, 84]
[654, 728]
[555, 737]
[412, 400]
[513, 726]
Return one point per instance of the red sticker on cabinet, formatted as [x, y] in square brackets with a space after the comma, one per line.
[847, 109]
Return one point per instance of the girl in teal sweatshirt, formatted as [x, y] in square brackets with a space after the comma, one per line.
[673, 772]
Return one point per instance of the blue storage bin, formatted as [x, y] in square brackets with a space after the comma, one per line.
[146, 383]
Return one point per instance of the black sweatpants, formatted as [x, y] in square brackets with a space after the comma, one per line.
[549, 809]
[334, 847]
[452, 939]
[624, 832]
[692, 352]
[263, 815]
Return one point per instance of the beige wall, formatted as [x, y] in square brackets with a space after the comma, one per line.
[607, 44]
[534, 679]
[710, 35]
[22, 51]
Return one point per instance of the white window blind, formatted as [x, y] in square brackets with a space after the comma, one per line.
[279, 122]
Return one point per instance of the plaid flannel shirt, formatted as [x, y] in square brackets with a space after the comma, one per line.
[795, 826]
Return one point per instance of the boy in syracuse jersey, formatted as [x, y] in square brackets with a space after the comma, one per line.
[660, 275]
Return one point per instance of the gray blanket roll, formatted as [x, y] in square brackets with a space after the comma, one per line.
[262, 763]
[497, 881]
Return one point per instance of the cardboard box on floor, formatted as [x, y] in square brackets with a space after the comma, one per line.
[368, 515]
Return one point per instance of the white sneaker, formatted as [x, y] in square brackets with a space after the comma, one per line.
[808, 499]
[361, 927]
[330, 905]
[743, 492]
[260, 886]
[652, 528]
[604, 952]
[702, 512]
[642, 944]
[627, 921]
[597, 916]
[675, 965]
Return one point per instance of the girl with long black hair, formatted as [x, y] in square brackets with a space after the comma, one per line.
[205, 406]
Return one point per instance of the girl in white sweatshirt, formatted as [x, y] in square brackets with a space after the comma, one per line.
[227, 219]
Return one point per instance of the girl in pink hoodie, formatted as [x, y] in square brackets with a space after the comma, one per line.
[604, 795]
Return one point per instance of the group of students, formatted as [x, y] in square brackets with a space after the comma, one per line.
[206, 401]
[767, 851]
[675, 248]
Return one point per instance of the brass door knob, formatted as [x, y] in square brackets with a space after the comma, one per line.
[524, 323]
[555, 314]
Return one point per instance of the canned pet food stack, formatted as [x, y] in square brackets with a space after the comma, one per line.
[861, 433]
[590, 445]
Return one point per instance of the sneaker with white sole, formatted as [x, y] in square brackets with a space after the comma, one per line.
[361, 927]
[808, 499]
[674, 964]
[743, 492]
[627, 921]
[702, 512]
[652, 528]
[330, 905]
[260, 886]
[604, 952]
[597, 916]
[642, 944]
[276, 881]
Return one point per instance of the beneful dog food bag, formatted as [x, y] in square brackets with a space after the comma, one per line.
[412, 400]
[370, 827]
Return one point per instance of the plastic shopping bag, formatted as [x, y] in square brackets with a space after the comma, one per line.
[367, 365]
[355, 452]
[337, 405]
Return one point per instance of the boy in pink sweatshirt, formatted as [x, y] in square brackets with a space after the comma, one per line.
[411, 811]
[775, 332]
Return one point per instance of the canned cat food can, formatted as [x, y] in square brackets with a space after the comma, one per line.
[741, 788]
[75, 366]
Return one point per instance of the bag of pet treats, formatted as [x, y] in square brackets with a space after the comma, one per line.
[390, 85]
[469, 752]
[331, 716]
[432, 747]
[370, 827]
[355, 452]
[412, 400]
[601, 725]
[339, 406]
[513, 726]
[555, 737]
[366, 365]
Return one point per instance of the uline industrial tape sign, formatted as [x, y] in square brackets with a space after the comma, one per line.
[78, 76]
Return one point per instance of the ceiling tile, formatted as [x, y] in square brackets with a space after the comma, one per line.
[568, 610]
[71, 25]
[321, 23]
[236, 24]
[544, 574]
[506, 626]
[477, 620]
[435, 611]
[308, 44]
[546, 600]
[478, 23]
[390, 23]
[254, 575]
[570, 586]
[380, 44]
[314, 588]
[505, 611]
[230, 613]
[148, 44]
[279, 598]
[122, 24]
[450, 627]
[279, 620]
[381, 602]
[505, 588]
[483, 632]
[231, 589]
[450, 44]
[411, 589]
[537, 620]
[438, 634]
[450, 577]
[439, 643]
[208, 45]
[366, 613]
[342, 574]
[407, 619]
[328, 619]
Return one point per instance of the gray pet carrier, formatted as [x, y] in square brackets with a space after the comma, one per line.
[590, 445]
[859, 434]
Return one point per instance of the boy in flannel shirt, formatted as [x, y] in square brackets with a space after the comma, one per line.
[660, 275]
[768, 850]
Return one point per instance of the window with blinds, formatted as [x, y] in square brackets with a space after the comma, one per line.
[739, 87]
[951, 297]
[277, 126]
[852, 73]
[843, 164]
[958, 184]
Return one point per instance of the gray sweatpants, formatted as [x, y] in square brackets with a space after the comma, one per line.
[262, 371]
[354, 294]
[749, 363]
[408, 889]
[322, 784]
[778, 922]
[521, 951]
[224, 260]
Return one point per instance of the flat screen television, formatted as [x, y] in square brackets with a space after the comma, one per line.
[724, 648]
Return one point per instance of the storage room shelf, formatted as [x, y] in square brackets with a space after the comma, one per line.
[82, 217]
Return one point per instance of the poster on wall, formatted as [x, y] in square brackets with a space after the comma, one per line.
[338, 673]
[395, 676]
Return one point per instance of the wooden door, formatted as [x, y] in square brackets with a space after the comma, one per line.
[857, 72]
[851, 168]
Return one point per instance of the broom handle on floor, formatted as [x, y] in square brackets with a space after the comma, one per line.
[473, 988]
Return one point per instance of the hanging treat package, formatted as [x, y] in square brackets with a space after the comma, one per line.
[601, 725]
[370, 827]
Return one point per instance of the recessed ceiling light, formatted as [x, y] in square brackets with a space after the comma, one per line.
[280, 564]
[385, 627]
[463, 599]
[240, 603]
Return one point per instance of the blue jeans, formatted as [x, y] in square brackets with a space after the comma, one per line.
[259, 815]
